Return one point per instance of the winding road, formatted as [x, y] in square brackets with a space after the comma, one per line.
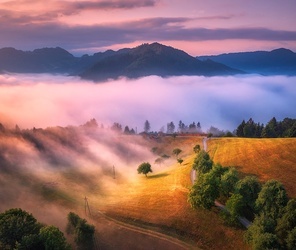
[246, 223]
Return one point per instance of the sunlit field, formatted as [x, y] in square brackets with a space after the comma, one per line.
[265, 158]
[159, 202]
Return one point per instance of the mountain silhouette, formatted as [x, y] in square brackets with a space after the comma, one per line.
[154, 59]
[145, 60]
[276, 62]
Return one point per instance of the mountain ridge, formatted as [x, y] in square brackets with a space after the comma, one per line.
[278, 61]
[144, 60]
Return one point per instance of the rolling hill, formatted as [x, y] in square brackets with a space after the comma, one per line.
[60, 166]
[265, 158]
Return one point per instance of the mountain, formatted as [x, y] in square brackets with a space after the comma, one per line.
[145, 60]
[46, 60]
[154, 59]
[276, 62]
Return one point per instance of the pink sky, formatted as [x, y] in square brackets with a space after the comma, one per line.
[199, 27]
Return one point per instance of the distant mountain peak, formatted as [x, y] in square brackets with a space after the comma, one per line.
[282, 51]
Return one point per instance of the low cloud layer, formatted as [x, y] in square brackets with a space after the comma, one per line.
[223, 102]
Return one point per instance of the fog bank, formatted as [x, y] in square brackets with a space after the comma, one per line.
[223, 102]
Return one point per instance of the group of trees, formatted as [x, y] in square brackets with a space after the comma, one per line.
[20, 230]
[171, 128]
[274, 225]
[273, 129]
[145, 167]
[191, 128]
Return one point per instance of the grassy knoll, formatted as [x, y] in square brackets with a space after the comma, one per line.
[160, 202]
[264, 158]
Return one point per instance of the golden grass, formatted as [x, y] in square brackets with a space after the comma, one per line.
[161, 201]
[265, 158]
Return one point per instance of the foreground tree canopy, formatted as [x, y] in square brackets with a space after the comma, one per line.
[20, 230]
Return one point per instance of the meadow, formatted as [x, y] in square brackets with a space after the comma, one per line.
[50, 172]
[265, 158]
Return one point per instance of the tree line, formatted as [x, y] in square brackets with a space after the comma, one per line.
[267, 204]
[273, 129]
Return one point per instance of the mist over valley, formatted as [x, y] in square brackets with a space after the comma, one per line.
[42, 100]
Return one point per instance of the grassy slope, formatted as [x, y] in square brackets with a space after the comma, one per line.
[265, 158]
[161, 200]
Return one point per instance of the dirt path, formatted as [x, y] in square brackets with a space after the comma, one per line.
[114, 234]
[246, 223]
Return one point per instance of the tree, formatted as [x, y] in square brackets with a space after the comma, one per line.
[146, 126]
[144, 168]
[196, 148]
[291, 239]
[116, 127]
[181, 127]
[180, 161]
[261, 235]
[249, 187]
[170, 128]
[234, 207]
[92, 123]
[53, 238]
[159, 161]
[240, 129]
[202, 163]
[205, 191]
[192, 128]
[177, 151]
[287, 222]
[15, 224]
[126, 130]
[82, 231]
[266, 241]
[228, 181]
[198, 127]
[272, 199]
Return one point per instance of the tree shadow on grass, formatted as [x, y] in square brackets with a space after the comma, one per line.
[157, 175]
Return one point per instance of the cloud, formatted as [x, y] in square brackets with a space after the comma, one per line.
[31, 35]
[28, 10]
[46, 100]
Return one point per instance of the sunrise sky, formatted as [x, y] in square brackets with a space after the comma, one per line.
[197, 26]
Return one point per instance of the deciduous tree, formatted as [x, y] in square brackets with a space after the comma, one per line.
[144, 168]
[249, 187]
[272, 199]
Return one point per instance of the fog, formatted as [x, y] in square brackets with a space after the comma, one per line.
[223, 102]
[48, 172]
